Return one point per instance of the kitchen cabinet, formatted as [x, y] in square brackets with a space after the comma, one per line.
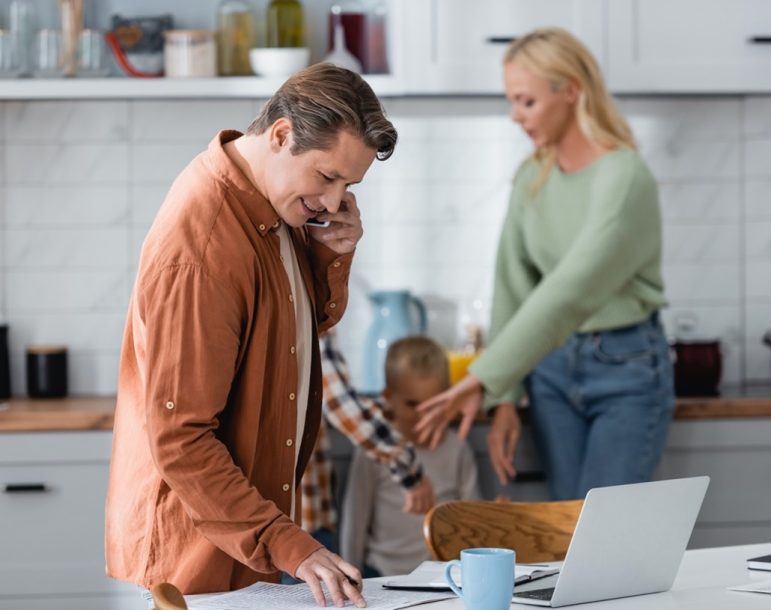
[456, 46]
[689, 46]
[52, 494]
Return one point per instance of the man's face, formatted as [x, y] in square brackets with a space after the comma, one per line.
[300, 187]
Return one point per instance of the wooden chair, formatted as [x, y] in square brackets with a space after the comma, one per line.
[537, 531]
[167, 597]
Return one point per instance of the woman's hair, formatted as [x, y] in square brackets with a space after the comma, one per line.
[419, 356]
[322, 100]
[559, 57]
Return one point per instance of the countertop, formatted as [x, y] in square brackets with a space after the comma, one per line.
[96, 412]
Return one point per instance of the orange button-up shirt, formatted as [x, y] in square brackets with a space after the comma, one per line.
[203, 461]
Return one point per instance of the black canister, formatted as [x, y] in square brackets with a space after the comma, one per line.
[5, 364]
[47, 371]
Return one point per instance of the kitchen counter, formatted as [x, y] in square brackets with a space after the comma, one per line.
[96, 412]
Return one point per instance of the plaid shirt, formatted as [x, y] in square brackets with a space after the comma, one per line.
[364, 421]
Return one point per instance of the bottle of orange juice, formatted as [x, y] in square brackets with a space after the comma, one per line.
[460, 359]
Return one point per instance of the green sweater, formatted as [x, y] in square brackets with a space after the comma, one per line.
[583, 254]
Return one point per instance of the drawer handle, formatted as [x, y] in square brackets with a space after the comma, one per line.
[500, 39]
[759, 39]
[534, 476]
[23, 488]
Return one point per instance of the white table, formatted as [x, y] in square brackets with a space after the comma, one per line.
[700, 585]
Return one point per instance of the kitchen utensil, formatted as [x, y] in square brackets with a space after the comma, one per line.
[340, 55]
[47, 371]
[698, 367]
[92, 59]
[48, 54]
[22, 24]
[137, 43]
[190, 54]
[351, 16]
[276, 61]
[397, 314]
[71, 12]
[9, 59]
[235, 36]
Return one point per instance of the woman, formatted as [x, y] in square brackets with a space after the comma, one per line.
[577, 287]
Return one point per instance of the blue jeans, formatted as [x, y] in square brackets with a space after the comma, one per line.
[601, 407]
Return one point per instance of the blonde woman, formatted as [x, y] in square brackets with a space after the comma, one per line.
[578, 287]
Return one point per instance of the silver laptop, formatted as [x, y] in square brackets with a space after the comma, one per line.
[629, 540]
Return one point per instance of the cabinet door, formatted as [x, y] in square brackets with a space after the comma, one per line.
[456, 46]
[672, 46]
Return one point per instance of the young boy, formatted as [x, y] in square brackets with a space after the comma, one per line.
[377, 534]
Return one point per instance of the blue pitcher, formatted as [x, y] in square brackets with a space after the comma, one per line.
[394, 318]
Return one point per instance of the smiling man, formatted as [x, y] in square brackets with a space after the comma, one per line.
[219, 390]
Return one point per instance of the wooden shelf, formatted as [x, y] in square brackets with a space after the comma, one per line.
[243, 87]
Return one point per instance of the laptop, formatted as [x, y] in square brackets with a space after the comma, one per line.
[629, 540]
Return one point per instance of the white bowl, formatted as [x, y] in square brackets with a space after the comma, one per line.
[275, 61]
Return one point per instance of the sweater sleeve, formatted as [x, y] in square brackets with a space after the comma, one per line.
[621, 233]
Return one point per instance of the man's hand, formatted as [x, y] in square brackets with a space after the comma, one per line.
[345, 229]
[464, 398]
[502, 441]
[419, 498]
[343, 581]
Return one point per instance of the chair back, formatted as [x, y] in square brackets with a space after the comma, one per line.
[167, 597]
[537, 531]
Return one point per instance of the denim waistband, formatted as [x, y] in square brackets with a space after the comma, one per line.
[653, 320]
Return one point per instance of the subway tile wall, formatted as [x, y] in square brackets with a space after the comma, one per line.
[80, 183]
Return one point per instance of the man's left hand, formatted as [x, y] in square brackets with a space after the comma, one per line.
[345, 229]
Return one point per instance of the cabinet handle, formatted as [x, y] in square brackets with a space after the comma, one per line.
[22, 488]
[766, 39]
[500, 39]
[534, 476]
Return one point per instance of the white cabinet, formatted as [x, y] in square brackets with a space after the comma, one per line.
[52, 494]
[689, 46]
[456, 46]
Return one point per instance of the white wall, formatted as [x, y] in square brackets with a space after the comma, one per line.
[80, 183]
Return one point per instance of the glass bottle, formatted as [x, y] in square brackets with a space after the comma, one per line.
[286, 24]
[235, 36]
[22, 25]
[351, 14]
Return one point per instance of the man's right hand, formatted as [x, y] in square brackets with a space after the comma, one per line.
[502, 441]
[343, 581]
[419, 498]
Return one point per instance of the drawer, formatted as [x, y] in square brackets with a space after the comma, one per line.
[52, 528]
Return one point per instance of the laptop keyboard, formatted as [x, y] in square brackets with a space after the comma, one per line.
[544, 594]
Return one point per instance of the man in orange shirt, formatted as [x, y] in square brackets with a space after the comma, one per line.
[219, 389]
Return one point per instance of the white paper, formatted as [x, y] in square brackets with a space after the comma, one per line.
[754, 587]
[267, 596]
[430, 574]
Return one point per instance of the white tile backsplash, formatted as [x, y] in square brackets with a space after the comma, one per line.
[81, 182]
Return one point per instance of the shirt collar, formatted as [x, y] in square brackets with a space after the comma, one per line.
[259, 210]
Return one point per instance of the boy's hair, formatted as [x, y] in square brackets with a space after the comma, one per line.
[322, 100]
[419, 356]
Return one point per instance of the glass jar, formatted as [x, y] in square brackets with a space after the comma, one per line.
[189, 54]
[286, 24]
[235, 36]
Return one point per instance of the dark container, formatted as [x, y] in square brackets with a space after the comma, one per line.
[698, 368]
[5, 364]
[47, 372]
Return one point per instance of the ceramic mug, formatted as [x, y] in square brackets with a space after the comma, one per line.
[487, 576]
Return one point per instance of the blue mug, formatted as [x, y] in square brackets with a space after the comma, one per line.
[487, 576]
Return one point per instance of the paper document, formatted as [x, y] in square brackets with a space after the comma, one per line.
[430, 575]
[754, 587]
[267, 596]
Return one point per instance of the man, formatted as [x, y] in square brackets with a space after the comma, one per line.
[219, 390]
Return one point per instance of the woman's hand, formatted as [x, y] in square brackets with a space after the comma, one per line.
[464, 398]
[343, 581]
[345, 229]
[502, 441]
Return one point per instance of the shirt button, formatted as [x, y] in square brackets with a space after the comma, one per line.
[169, 405]
[275, 225]
[332, 305]
[291, 396]
[289, 442]
[292, 349]
[291, 299]
[285, 487]
[336, 264]
[262, 227]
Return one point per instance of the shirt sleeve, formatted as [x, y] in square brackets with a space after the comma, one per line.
[362, 419]
[621, 233]
[330, 273]
[357, 510]
[192, 364]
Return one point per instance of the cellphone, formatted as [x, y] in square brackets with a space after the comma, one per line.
[317, 223]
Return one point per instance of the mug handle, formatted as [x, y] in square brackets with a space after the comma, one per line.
[448, 577]
[422, 314]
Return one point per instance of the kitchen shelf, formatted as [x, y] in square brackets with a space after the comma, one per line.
[163, 88]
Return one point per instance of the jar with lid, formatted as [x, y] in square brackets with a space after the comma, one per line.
[189, 54]
[286, 24]
[235, 36]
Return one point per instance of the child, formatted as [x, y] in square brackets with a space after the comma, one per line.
[376, 534]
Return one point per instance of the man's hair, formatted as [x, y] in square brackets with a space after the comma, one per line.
[322, 100]
[416, 356]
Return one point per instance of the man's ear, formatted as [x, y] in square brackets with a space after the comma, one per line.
[280, 134]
